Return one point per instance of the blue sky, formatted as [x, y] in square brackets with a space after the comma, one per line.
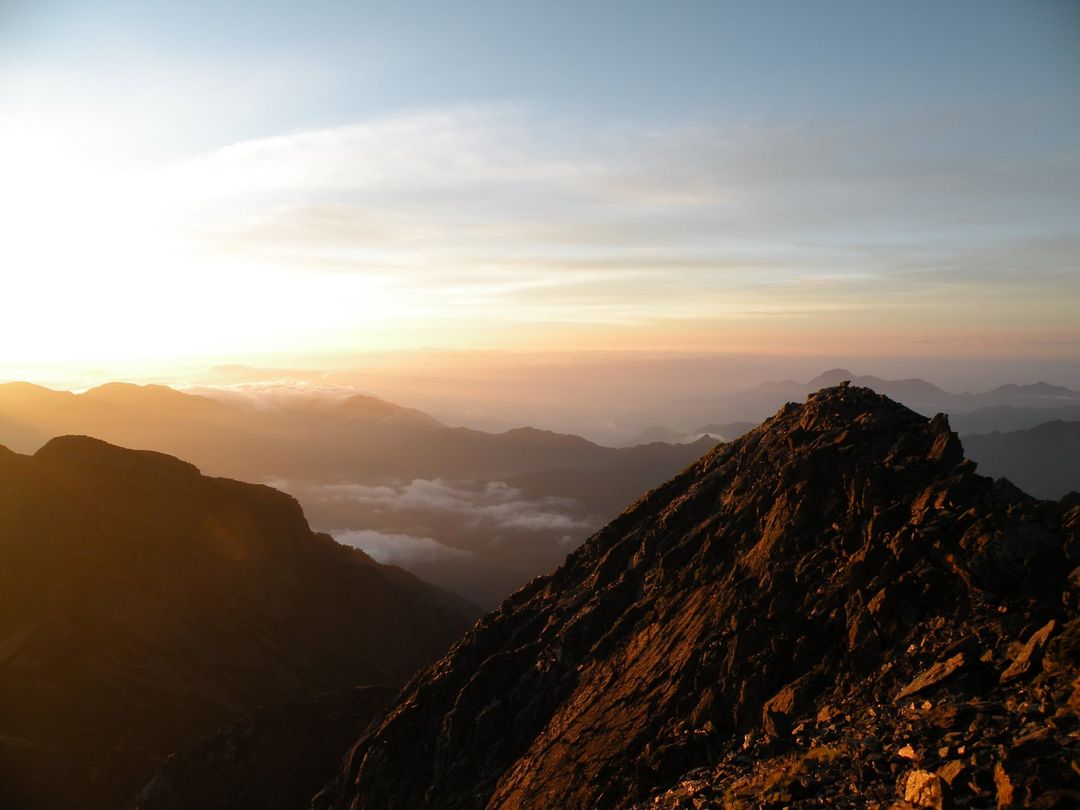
[638, 62]
[338, 177]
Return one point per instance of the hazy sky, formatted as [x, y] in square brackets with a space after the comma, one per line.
[238, 181]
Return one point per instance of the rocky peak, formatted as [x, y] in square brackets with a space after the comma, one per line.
[811, 579]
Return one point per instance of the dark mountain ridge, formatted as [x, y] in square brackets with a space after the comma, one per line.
[143, 605]
[1043, 460]
[833, 610]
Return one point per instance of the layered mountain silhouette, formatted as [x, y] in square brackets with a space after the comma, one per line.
[833, 610]
[724, 432]
[358, 435]
[353, 461]
[143, 605]
[1043, 460]
[1007, 407]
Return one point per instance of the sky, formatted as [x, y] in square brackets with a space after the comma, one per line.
[297, 183]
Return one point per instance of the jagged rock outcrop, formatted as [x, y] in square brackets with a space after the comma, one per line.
[143, 605]
[833, 610]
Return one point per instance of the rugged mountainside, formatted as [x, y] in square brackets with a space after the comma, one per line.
[143, 605]
[833, 610]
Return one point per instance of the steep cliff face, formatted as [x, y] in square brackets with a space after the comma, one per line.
[834, 606]
[143, 605]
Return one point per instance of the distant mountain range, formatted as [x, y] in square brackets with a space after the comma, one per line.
[721, 432]
[478, 513]
[143, 604]
[998, 409]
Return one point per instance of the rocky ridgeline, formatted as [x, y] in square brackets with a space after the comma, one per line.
[834, 610]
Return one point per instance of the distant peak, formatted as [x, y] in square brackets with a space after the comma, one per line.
[373, 407]
[1039, 388]
[116, 389]
[834, 376]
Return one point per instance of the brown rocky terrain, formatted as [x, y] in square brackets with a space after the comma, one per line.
[143, 605]
[834, 610]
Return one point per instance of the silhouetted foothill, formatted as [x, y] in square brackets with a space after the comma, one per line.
[143, 605]
[834, 610]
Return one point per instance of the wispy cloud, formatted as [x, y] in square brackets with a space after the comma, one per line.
[477, 206]
[399, 549]
[473, 225]
[493, 504]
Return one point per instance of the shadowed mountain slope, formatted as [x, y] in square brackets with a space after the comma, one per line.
[827, 608]
[143, 605]
[274, 760]
[1044, 460]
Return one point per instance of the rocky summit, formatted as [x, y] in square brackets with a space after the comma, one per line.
[834, 610]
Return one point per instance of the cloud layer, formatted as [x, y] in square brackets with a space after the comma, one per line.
[399, 549]
[432, 522]
[494, 504]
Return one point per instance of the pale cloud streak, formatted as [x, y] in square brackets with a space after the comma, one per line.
[478, 225]
[470, 199]
[494, 504]
[393, 548]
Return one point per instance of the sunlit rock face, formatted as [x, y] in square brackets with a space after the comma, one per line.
[143, 605]
[835, 606]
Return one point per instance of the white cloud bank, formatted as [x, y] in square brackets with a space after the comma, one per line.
[383, 519]
[495, 504]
